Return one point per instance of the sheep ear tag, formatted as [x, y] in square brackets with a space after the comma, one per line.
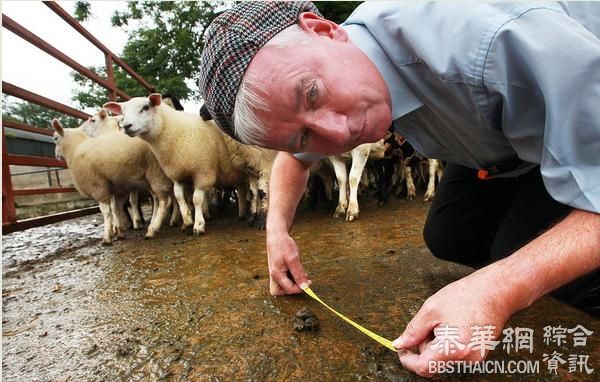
[383, 341]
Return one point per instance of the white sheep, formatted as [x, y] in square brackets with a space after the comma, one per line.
[96, 126]
[359, 156]
[188, 149]
[256, 162]
[106, 168]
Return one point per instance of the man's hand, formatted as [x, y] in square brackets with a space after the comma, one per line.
[286, 273]
[492, 294]
[479, 299]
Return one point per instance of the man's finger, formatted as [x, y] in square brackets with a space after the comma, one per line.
[416, 363]
[417, 331]
[287, 286]
[297, 270]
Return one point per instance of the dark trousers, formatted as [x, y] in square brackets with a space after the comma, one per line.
[476, 222]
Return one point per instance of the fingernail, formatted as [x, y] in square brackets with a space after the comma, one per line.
[303, 286]
[397, 344]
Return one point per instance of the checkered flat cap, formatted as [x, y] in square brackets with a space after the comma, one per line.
[232, 40]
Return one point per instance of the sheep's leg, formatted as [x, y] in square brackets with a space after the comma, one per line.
[159, 217]
[342, 178]
[263, 188]
[117, 203]
[107, 217]
[253, 182]
[175, 213]
[411, 190]
[198, 198]
[242, 199]
[178, 189]
[134, 211]
[205, 210]
[431, 183]
[359, 160]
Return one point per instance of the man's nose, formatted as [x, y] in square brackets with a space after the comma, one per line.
[333, 127]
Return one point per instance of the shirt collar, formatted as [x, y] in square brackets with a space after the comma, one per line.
[403, 99]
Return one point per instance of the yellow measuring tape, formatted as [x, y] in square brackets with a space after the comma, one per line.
[385, 342]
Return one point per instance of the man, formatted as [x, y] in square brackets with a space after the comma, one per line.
[508, 94]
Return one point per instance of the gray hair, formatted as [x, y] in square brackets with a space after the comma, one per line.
[247, 126]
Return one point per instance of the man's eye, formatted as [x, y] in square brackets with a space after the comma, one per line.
[304, 139]
[312, 94]
[145, 108]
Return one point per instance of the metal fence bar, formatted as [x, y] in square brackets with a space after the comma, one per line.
[9, 222]
[37, 191]
[23, 127]
[8, 199]
[49, 219]
[85, 33]
[20, 31]
[26, 160]
[15, 91]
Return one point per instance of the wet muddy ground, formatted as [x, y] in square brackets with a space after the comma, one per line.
[180, 308]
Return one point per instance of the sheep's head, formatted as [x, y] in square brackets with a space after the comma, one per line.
[94, 123]
[59, 133]
[138, 113]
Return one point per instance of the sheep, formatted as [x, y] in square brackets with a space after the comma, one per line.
[256, 162]
[188, 149]
[107, 167]
[359, 156]
[94, 127]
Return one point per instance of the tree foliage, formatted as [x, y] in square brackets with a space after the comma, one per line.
[164, 49]
[337, 11]
[165, 44]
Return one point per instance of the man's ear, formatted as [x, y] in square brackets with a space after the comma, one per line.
[155, 99]
[312, 23]
[113, 107]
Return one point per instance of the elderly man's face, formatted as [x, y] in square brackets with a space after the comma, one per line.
[326, 97]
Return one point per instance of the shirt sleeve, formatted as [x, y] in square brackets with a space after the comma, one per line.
[544, 69]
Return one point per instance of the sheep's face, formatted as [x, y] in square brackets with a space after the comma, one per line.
[137, 114]
[59, 134]
[57, 150]
[93, 124]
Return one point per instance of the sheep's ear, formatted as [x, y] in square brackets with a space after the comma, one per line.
[102, 113]
[155, 99]
[113, 107]
[58, 127]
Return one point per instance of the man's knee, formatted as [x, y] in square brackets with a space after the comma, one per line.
[454, 243]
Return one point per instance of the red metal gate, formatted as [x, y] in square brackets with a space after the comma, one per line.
[9, 218]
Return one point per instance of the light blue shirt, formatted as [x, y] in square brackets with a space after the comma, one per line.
[485, 84]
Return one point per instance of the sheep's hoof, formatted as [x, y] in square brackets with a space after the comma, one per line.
[410, 197]
[350, 217]
[428, 197]
[138, 224]
[251, 219]
[339, 212]
[106, 243]
[198, 232]
[184, 226]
